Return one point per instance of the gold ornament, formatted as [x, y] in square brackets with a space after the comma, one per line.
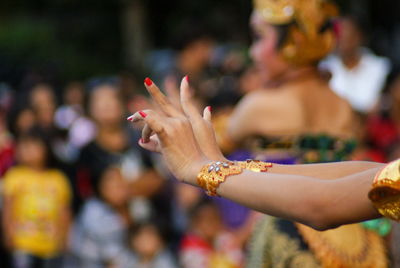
[345, 247]
[385, 192]
[215, 173]
[255, 165]
[308, 41]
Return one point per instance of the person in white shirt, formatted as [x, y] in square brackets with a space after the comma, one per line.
[358, 75]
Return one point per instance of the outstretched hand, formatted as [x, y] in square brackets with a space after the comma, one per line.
[178, 132]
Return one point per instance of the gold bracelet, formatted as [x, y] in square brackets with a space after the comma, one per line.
[255, 165]
[215, 173]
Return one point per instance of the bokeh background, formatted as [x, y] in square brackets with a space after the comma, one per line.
[72, 71]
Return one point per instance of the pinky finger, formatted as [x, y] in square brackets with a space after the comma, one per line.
[152, 145]
[207, 114]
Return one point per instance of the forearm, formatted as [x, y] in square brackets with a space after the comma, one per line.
[321, 204]
[326, 170]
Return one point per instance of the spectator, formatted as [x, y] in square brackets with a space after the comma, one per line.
[71, 118]
[147, 249]
[24, 120]
[98, 235]
[44, 104]
[206, 244]
[7, 146]
[36, 205]
[357, 74]
[114, 143]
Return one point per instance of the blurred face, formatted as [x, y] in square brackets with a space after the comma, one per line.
[203, 49]
[74, 94]
[263, 50]
[43, 103]
[42, 97]
[105, 106]
[113, 188]
[32, 153]
[147, 242]
[349, 37]
[207, 222]
[25, 121]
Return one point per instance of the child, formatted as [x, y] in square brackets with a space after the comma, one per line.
[147, 249]
[36, 205]
[98, 235]
[207, 244]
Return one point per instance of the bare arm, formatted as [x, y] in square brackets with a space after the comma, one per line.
[321, 196]
[321, 204]
[326, 170]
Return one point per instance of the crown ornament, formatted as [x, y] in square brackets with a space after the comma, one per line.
[309, 39]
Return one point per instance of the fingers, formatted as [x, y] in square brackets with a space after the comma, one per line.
[152, 145]
[161, 100]
[207, 114]
[187, 103]
[146, 133]
[154, 122]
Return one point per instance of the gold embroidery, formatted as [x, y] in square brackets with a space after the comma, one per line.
[271, 247]
[346, 246]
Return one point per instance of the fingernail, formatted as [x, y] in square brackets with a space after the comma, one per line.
[187, 78]
[148, 81]
[130, 118]
[141, 140]
[209, 108]
[142, 114]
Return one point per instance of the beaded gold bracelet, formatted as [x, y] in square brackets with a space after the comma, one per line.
[215, 173]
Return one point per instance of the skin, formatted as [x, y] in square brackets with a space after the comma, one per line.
[349, 43]
[321, 196]
[293, 99]
[106, 110]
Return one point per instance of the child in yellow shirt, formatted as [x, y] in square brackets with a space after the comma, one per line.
[36, 205]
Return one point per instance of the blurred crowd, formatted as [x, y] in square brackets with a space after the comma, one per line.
[78, 190]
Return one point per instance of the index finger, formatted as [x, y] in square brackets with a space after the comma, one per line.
[162, 101]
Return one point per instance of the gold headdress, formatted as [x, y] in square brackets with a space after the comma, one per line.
[308, 40]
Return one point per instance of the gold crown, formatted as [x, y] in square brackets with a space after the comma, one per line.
[307, 41]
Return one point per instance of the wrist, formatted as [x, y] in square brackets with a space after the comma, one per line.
[195, 170]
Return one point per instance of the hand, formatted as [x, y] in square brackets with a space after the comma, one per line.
[183, 102]
[173, 137]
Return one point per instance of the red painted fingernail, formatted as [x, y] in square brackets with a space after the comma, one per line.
[209, 108]
[187, 78]
[148, 81]
[130, 118]
[142, 114]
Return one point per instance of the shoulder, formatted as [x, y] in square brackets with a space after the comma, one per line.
[375, 61]
[16, 170]
[14, 173]
[268, 100]
[57, 175]
[14, 177]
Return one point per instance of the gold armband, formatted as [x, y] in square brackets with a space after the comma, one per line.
[215, 173]
[385, 192]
